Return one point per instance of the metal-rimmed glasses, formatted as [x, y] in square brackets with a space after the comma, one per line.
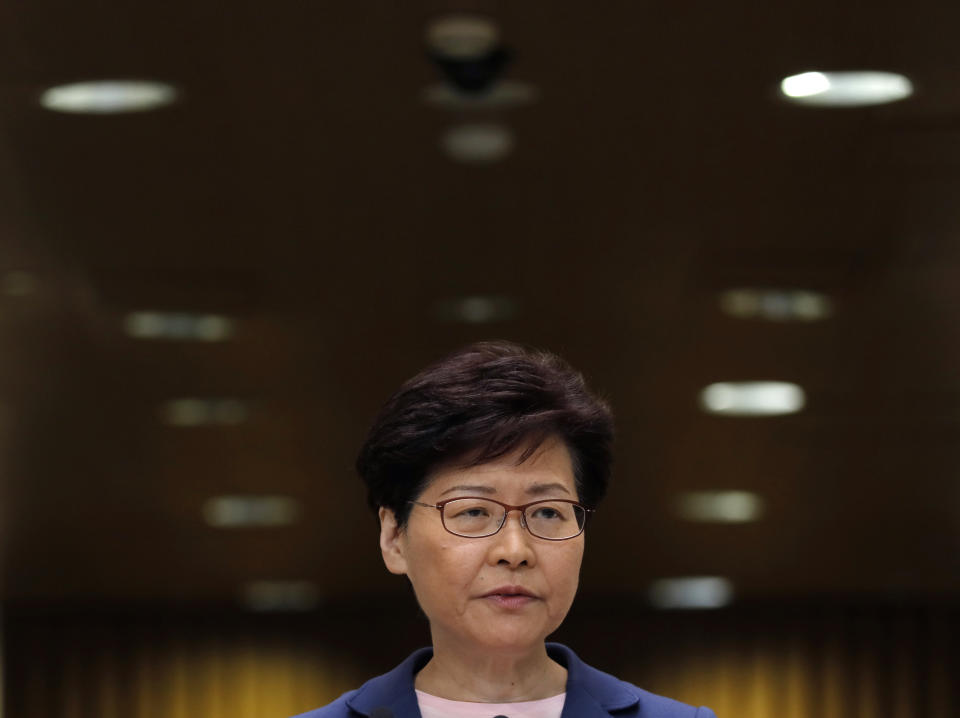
[479, 517]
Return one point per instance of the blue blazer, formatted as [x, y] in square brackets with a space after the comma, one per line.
[590, 693]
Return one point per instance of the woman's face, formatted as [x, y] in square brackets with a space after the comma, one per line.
[456, 579]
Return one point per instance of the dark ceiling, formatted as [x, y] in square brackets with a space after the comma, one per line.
[299, 186]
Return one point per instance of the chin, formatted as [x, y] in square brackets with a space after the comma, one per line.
[511, 640]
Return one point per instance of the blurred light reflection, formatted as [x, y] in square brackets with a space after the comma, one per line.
[691, 592]
[189, 412]
[846, 89]
[720, 506]
[102, 97]
[752, 398]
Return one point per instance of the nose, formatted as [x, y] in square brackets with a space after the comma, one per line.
[512, 544]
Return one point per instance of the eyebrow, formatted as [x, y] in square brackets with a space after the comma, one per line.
[461, 487]
[539, 489]
[535, 490]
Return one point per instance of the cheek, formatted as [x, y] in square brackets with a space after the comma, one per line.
[568, 569]
[442, 567]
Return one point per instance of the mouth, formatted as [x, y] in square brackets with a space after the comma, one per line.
[509, 592]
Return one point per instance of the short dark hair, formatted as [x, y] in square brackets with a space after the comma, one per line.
[479, 404]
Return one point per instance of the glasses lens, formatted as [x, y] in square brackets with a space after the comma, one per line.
[472, 517]
[555, 519]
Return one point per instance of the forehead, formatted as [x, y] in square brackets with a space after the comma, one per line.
[548, 470]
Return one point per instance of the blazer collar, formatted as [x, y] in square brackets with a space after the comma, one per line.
[590, 693]
[393, 690]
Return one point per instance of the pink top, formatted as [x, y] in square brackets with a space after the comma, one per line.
[434, 707]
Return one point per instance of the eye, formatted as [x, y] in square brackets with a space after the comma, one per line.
[548, 513]
[470, 512]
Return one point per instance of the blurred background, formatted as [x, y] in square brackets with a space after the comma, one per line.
[228, 232]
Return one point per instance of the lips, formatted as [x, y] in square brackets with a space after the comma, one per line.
[510, 591]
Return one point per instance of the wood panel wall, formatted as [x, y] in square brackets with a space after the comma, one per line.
[825, 663]
[762, 663]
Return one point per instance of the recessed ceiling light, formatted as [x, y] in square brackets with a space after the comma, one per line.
[752, 398]
[719, 506]
[464, 37]
[250, 511]
[846, 89]
[102, 97]
[691, 592]
[181, 326]
[502, 94]
[18, 283]
[776, 305]
[203, 412]
[476, 309]
[477, 144]
[274, 596]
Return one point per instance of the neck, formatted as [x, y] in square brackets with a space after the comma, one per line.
[468, 674]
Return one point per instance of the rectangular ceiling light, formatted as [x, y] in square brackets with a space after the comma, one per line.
[691, 592]
[189, 412]
[250, 511]
[280, 596]
[720, 506]
[179, 326]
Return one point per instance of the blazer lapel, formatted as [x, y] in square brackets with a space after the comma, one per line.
[393, 690]
[590, 693]
[580, 704]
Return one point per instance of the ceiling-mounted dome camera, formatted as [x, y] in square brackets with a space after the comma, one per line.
[468, 50]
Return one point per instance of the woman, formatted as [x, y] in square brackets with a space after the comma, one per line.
[483, 469]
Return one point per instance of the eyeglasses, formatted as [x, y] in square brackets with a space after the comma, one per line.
[475, 517]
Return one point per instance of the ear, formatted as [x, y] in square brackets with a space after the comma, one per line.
[392, 542]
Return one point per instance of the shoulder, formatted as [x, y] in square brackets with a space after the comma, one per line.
[337, 709]
[654, 706]
[393, 690]
[617, 696]
[651, 705]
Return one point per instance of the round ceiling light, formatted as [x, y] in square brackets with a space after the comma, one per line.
[478, 144]
[476, 309]
[846, 89]
[105, 97]
[752, 398]
[464, 37]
